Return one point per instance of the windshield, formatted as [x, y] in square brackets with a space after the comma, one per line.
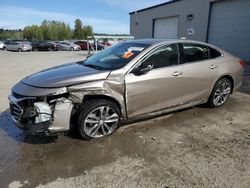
[115, 57]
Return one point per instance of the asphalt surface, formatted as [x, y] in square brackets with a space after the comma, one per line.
[195, 147]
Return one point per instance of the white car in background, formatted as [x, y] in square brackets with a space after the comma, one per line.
[1, 45]
[68, 46]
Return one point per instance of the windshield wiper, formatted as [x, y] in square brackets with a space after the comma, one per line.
[93, 66]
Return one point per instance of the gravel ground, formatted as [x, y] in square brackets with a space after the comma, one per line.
[195, 147]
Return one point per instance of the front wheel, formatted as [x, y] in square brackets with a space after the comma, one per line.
[98, 118]
[220, 93]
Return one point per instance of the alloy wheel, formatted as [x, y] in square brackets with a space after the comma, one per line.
[222, 93]
[100, 122]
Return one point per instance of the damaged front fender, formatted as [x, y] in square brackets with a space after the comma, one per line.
[110, 88]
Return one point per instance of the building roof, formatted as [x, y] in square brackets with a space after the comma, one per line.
[155, 6]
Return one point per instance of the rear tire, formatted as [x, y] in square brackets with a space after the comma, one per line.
[98, 118]
[71, 49]
[20, 50]
[220, 93]
[4, 48]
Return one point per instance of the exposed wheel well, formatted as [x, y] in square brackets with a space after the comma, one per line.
[75, 111]
[91, 97]
[231, 80]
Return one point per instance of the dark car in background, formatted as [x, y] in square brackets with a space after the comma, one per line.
[46, 46]
[98, 46]
[35, 45]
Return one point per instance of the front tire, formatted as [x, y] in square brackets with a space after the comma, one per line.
[98, 118]
[220, 93]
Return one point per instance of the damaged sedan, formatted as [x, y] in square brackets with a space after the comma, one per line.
[131, 80]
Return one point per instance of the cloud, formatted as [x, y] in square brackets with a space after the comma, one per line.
[132, 5]
[19, 17]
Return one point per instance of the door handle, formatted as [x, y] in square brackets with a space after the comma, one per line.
[213, 67]
[177, 73]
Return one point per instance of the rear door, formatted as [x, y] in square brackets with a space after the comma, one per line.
[199, 72]
[159, 88]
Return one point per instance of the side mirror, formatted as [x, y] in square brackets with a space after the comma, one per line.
[142, 70]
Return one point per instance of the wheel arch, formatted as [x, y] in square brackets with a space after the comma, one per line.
[229, 77]
[91, 97]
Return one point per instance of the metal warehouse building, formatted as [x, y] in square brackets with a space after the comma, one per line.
[225, 23]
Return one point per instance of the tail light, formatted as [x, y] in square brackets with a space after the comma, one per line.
[242, 63]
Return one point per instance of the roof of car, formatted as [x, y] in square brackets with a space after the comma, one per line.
[158, 41]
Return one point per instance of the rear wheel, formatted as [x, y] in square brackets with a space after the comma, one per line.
[50, 49]
[19, 50]
[4, 48]
[98, 118]
[71, 49]
[220, 93]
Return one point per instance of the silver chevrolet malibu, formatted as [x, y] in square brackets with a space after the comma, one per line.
[128, 81]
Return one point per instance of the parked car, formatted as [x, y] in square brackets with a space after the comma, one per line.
[97, 46]
[46, 46]
[5, 45]
[68, 46]
[18, 46]
[35, 45]
[128, 81]
[1, 45]
[84, 44]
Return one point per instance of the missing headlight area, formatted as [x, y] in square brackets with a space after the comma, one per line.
[41, 114]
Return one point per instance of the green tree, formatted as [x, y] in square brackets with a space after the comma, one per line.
[88, 31]
[78, 30]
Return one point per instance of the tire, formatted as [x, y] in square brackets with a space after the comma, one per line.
[50, 49]
[71, 49]
[20, 50]
[90, 122]
[35, 49]
[5, 49]
[220, 93]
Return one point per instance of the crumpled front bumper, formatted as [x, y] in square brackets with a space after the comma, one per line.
[60, 112]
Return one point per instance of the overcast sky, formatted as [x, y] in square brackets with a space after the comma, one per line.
[106, 16]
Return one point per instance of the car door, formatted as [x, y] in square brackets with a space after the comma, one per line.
[157, 89]
[11, 46]
[42, 46]
[199, 72]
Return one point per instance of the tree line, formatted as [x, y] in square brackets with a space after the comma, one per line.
[49, 30]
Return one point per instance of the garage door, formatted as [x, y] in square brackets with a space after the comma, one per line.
[166, 28]
[229, 26]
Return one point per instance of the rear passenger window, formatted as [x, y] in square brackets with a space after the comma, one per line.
[194, 52]
[214, 53]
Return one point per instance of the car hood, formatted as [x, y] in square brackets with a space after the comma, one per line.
[65, 75]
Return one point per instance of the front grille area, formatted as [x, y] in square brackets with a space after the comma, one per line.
[16, 112]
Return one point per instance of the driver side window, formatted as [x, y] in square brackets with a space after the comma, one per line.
[163, 56]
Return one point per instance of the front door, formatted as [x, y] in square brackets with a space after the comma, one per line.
[160, 88]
